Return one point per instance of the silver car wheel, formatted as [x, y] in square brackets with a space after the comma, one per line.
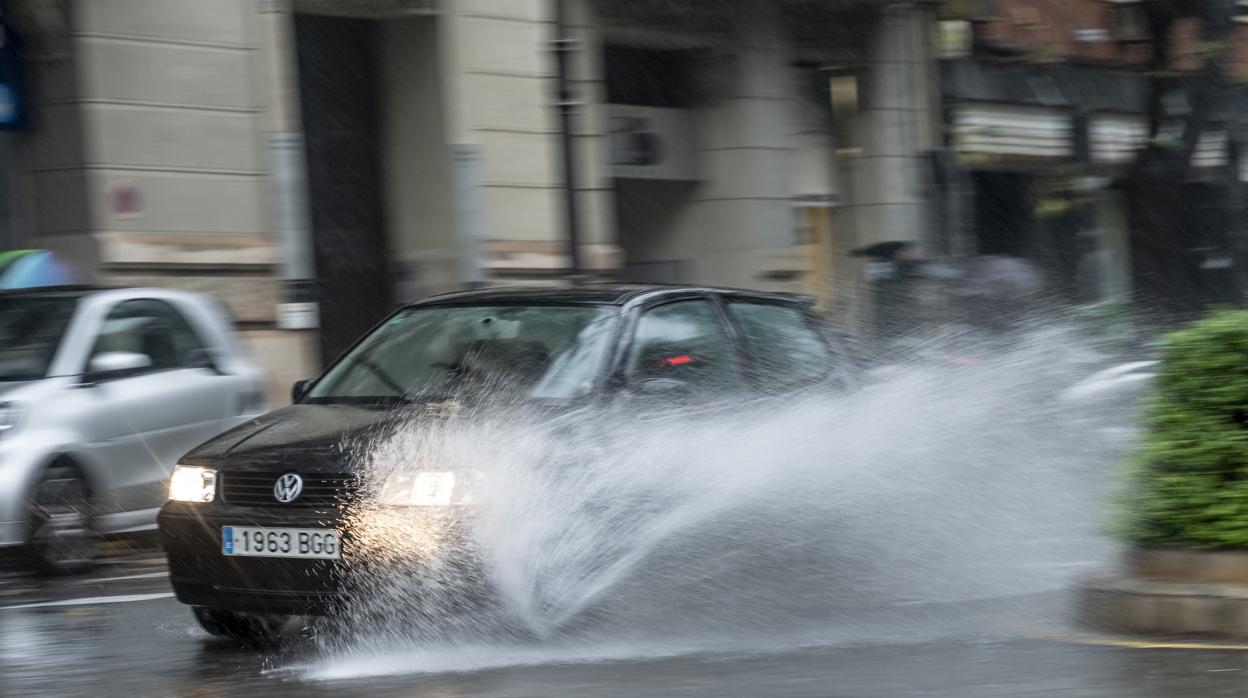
[62, 534]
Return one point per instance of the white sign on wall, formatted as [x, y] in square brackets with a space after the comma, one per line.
[297, 316]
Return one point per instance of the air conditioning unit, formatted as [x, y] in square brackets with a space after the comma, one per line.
[1241, 11]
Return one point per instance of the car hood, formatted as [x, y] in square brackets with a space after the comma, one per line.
[316, 438]
[308, 437]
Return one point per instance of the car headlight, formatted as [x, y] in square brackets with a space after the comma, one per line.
[429, 488]
[11, 414]
[192, 483]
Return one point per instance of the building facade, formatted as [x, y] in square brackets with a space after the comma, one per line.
[1046, 110]
[750, 143]
[315, 162]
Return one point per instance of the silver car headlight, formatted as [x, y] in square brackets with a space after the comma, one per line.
[11, 414]
[429, 488]
[192, 483]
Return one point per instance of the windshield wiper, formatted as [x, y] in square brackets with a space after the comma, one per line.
[382, 375]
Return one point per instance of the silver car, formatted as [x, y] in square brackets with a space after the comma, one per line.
[101, 391]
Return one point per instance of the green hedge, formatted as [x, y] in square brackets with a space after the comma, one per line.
[1188, 484]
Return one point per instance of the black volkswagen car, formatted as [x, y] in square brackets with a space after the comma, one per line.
[258, 519]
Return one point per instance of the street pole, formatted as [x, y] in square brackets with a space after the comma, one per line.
[563, 47]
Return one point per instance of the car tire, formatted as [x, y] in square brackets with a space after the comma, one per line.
[246, 628]
[63, 538]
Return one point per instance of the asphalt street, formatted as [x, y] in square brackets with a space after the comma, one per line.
[119, 632]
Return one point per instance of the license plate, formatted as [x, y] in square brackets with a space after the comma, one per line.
[253, 541]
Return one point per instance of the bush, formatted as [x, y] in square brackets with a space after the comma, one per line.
[1188, 484]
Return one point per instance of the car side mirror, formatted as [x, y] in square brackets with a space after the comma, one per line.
[300, 389]
[114, 364]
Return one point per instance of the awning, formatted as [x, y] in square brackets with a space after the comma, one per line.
[1003, 131]
[1115, 139]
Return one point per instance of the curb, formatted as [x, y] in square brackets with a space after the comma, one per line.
[1150, 607]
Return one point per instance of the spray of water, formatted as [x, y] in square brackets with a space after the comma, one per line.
[624, 534]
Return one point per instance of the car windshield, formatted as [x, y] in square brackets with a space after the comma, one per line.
[30, 332]
[474, 352]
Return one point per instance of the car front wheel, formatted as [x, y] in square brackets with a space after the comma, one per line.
[247, 628]
[63, 537]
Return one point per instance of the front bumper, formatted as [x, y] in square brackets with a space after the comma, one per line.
[202, 576]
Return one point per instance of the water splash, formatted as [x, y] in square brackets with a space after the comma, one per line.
[633, 534]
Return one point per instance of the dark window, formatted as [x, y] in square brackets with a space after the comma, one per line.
[684, 341]
[31, 327]
[785, 349]
[150, 327]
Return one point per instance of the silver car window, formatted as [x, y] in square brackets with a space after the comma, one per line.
[31, 329]
[151, 327]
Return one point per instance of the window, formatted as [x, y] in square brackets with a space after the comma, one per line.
[684, 341]
[31, 327]
[785, 350]
[149, 327]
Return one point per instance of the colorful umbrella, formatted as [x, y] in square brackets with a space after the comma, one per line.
[33, 268]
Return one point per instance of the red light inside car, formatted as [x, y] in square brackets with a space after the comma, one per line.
[682, 360]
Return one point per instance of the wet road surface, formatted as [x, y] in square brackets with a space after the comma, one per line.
[119, 632]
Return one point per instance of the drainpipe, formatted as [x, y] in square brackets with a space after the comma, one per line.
[563, 47]
[297, 309]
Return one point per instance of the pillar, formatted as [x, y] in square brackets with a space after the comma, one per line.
[899, 126]
[500, 86]
[742, 219]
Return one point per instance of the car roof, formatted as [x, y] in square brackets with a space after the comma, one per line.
[593, 294]
[64, 291]
[115, 293]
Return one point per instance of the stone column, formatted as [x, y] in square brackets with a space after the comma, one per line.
[500, 88]
[899, 122]
[899, 129]
[741, 217]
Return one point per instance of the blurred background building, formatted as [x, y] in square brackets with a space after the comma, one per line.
[314, 162]
[1048, 108]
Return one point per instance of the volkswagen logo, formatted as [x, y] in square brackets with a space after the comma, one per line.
[287, 488]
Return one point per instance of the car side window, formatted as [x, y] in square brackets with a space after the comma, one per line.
[785, 348]
[684, 341]
[150, 327]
